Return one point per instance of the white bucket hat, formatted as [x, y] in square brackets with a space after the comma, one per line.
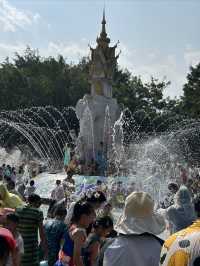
[139, 217]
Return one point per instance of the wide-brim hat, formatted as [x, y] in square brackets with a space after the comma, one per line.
[139, 217]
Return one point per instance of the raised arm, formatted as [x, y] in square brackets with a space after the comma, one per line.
[79, 239]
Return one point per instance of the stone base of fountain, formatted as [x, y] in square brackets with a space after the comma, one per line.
[97, 114]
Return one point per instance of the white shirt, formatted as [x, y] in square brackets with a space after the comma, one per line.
[133, 251]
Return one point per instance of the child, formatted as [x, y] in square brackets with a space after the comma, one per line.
[74, 239]
[12, 221]
[102, 227]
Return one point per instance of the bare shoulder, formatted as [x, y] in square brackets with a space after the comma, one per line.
[79, 235]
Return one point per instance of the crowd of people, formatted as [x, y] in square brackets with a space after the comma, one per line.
[85, 231]
[92, 164]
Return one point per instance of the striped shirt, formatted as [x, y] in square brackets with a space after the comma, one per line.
[30, 219]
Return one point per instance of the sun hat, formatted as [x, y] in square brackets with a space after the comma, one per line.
[139, 217]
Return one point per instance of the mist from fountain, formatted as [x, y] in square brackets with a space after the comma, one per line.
[86, 147]
[150, 160]
[46, 129]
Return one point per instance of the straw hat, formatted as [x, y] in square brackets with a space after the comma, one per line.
[139, 217]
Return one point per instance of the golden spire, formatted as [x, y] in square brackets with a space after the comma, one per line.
[103, 31]
[103, 34]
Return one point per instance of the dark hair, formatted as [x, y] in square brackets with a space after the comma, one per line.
[34, 198]
[11, 184]
[13, 217]
[60, 211]
[50, 212]
[99, 182]
[58, 182]
[80, 208]
[4, 250]
[105, 222]
[32, 182]
[70, 173]
[96, 197]
[173, 186]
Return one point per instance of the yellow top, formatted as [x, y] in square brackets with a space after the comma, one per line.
[9, 200]
[182, 248]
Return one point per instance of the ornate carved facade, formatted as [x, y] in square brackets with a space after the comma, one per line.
[102, 64]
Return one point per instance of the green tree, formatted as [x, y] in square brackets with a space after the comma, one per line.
[191, 97]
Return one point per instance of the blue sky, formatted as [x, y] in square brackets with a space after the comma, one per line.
[158, 38]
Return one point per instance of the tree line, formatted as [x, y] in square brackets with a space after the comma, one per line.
[31, 80]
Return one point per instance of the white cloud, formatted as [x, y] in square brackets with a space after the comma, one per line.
[151, 63]
[71, 51]
[8, 50]
[12, 18]
[192, 57]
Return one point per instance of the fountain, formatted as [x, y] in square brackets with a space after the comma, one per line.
[100, 107]
[134, 155]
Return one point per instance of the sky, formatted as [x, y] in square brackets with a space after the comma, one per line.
[159, 38]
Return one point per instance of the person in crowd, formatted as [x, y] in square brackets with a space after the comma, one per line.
[13, 174]
[99, 185]
[131, 188]
[196, 186]
[3, 214]
[54, 231]
[96, 200]
[102, 228]
[69, 183]
[74, 239]
[54, 205]
[51, 209]
[12, 221]
[58, 192]
[9, 200]
[181, 214]
[169, 199]
[30, 221]
[106, 211]
[70, 177]
[30, 189]
[67, 155]
[182, 248]
[8, 171]
[183, 176]
[138, 227]
[118, 194]
[21, 170]
[7, 247]
[21, 189]
[1, 173]
[73, 165]
[11, 188]
[4, 168]
[190, 187]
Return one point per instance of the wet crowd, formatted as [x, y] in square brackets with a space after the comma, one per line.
[84, 231]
